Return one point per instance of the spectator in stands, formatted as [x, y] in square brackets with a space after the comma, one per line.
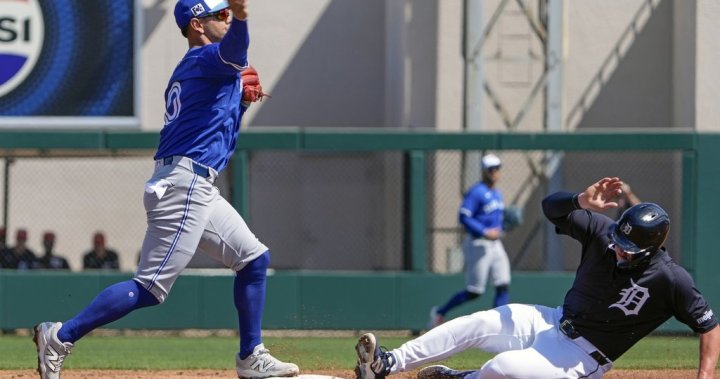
[19, 256]
[100, 257]
[50, 260]
[3, 239]
[3, 245]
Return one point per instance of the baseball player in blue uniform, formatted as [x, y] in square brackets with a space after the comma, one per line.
[625, 287]
[205, 99]
[481, 214]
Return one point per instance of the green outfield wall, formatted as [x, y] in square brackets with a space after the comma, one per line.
[295, 300]
[357, 300]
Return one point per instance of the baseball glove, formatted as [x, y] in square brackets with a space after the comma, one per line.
[252, 90]
[512, 217]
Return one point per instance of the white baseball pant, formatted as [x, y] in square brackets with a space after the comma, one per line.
[483, 259]
[526, 338]
[186, 213]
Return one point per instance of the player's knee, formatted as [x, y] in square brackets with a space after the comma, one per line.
[147, 298]
[256, 269]
[260, 263]
[471, 295]
[498, 367]
[502, 289]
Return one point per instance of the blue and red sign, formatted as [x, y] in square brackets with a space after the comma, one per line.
[67, 58]
[22, 31]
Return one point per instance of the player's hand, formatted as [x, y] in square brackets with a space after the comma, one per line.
[239, 8]
[252, 90]
[492, 234]
[599, 196]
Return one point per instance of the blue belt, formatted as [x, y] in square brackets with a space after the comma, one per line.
[196, 168]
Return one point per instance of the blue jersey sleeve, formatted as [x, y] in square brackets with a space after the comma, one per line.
[234, 46]
[471, 203]
[228, 57]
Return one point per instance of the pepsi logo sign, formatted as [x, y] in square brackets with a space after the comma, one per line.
[22, 31]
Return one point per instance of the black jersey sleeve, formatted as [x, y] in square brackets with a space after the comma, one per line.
[688, 304]
[562, 209]
[559, 205]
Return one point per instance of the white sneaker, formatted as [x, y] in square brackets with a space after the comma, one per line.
[435, 318]
[51, 352]
[260, 364]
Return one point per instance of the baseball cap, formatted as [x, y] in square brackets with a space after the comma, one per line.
[99, 238]
[49, 236]
[489, 161]
[185, 10]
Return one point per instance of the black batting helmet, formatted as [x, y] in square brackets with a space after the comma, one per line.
[641, 230]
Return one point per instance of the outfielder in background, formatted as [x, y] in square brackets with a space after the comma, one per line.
[481, 214]
[625, 287]
[208, 93]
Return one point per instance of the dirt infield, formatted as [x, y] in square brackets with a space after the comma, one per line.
[216, 374]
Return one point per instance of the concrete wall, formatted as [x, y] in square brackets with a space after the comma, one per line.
[396, 63]
[707, 92]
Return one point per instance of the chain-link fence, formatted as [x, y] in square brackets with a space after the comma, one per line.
[74, 197]
[526, 178]
[331, 210]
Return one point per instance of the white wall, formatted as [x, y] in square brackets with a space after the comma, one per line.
[399, 63]
[708, 75]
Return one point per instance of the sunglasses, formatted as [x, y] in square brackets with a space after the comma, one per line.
[221, 15]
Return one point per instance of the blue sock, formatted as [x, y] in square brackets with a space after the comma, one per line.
[502, 296]
[249, 294]
[111, 304]
[457, 299]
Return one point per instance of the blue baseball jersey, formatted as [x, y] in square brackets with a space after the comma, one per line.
[203, 101]
[482, 208]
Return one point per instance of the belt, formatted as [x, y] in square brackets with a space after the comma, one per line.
[197, 168]
[568, 329]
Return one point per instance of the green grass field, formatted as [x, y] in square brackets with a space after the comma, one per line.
[162, 353]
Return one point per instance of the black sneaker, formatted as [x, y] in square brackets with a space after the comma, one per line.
[373, 362]
[441, 372]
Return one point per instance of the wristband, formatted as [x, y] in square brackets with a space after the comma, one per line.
[575, 201]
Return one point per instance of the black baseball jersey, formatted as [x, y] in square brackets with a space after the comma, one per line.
[614, 308]
[51, 262]
[91, 260]
[10, 259]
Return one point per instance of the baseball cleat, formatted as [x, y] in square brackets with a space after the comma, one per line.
[441, 372]
[260, 364]
[435, 318]
[373, 362]
[51, 352]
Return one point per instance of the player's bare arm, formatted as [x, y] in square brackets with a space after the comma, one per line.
[601, 194]
[709, 352]
[239, 8]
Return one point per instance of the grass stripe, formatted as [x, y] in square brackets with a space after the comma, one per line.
[164, 353]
